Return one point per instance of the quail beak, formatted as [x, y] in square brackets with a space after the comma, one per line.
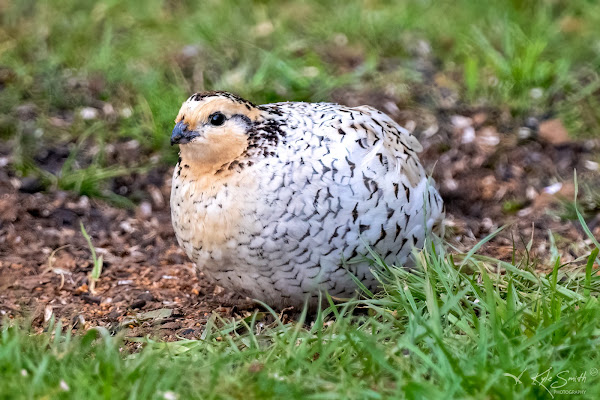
[181, 134]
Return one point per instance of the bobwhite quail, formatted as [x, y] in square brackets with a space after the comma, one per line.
[281, 201]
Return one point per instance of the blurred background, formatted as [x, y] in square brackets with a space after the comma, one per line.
[504, 95]
[89, 89]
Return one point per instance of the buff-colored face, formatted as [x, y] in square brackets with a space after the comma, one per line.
[211, 130]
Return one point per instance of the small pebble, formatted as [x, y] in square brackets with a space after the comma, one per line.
[91, 299]
[31, 185]
[468, 135]
[591, 165]
[146, 209]
[554, 188]
[88, 113]
[147, 296]
[461, 122]
[524, 133]
[170, 395]
[536, 93]
[138, 304]
[126, 112]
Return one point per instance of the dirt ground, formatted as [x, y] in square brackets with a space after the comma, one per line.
[491, 171]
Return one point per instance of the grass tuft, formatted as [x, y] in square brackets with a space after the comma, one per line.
[97, 262]
[482, 328]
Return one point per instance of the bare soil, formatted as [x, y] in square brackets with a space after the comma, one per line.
[491, 171]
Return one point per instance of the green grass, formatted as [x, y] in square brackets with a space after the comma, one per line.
[97, 262]
[531, 57]
[457, 328]
[453, 330]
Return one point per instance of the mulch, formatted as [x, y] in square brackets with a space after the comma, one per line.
[491, 171]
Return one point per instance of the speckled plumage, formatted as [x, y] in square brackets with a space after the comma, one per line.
[270, 202]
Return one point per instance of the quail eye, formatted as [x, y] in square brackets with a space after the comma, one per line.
[216, 119]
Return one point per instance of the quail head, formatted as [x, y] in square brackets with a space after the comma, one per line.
[281, 201]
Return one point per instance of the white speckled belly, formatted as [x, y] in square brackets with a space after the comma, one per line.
[283, 245]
